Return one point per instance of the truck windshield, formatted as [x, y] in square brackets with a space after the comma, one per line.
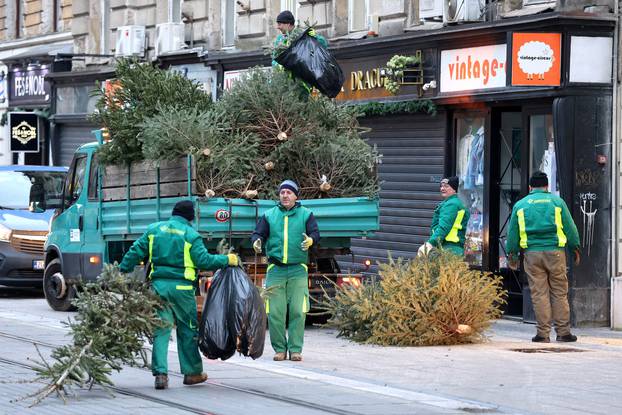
[32, 190]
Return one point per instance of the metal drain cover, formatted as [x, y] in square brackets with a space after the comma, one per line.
[548, 350]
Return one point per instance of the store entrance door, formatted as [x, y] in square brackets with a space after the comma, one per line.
[507, 187]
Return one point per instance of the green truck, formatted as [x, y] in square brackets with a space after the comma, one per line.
[106, 208]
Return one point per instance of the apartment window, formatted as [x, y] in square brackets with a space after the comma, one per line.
[291, 5]
[18, 19]
[174, 11]
[358, 14]
[228, 23]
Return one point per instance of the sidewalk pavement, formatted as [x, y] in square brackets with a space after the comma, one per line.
[498, 376]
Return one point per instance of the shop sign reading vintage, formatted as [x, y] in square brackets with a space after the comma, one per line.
[29, 87]
[475, 68]
[536, 59]
[24, 131]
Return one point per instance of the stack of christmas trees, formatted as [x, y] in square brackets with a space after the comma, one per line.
[259, 133]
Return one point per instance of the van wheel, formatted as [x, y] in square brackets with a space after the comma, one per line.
[58, 292]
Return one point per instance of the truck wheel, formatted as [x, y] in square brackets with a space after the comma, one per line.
[58, 292]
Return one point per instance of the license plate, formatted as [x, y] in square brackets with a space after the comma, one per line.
[38, 265]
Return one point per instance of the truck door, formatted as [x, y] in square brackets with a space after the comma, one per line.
[72, 218]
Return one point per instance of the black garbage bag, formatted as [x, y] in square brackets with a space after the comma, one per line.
[234, 317]
[310, 61]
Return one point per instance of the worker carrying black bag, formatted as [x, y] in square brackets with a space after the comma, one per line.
[234, 317]
[310, 61]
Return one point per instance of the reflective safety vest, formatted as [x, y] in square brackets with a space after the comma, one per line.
[174, 249]
[449, 225]
[541, 221]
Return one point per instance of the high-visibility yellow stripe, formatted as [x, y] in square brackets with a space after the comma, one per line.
[285, 238]
[269, 267]
[305, 267]
[151, 238]
[305, 304]
[522, 229]
[267, 306]
[452, 236]
[184, 287]
[561, 236]
[189, 270]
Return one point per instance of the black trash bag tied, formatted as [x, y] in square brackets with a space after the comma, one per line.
[310, 61]
[234, 317]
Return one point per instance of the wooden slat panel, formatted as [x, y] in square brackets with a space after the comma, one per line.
[148, 191]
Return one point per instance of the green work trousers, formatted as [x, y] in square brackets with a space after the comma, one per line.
[289, 291]
[180, 311]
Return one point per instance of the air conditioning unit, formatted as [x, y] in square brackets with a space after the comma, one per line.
[430, 9]
[463, 11]
[130, 41]
[169, 38]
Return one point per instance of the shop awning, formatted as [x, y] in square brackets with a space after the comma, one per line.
[45, 51]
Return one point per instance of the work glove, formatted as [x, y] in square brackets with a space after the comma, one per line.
[312, 33]
[577, 257]
[425, 249]
[234, 260]
[257, 246]
[307, 241]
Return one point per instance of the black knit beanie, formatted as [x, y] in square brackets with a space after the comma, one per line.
[286, 17]
[453, 182]
[539, 179]
[185, 209]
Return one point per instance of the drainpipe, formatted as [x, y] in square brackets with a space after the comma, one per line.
[616, 280]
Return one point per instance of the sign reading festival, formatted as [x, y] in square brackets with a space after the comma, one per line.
[467, 69]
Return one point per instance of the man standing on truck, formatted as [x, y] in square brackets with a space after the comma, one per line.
[449, 223]
[542, 227]
[288, 231]
[285, 23]
[175, 251]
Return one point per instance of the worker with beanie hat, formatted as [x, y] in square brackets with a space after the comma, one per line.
[542, 228]
[449, 223]
[288, 230]
[285, 24]
[176, 251]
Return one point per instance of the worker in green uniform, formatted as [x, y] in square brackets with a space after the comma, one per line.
[449, 223]
[288, 230]
[175, 251]
[542, 228]
[285, 23]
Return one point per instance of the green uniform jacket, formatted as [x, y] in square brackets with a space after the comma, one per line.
[282, 230]
[541, 222]
[449, 225]
[175, 251]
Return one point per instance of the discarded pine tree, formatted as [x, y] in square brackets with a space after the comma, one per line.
[434, 300]
[116, 314]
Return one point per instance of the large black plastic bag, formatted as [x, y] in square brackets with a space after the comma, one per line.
[234, 317]
[310, 61]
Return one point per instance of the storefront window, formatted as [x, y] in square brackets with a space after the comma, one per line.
[542, 147]
[470, 169]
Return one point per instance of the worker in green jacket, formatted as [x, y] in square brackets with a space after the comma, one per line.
[285, 23]
[175, 251]
[542, 228]
[449, 223]
[288, 230]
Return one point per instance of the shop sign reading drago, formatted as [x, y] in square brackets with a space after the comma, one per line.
[24, 127]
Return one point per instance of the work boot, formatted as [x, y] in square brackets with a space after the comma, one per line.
[194, 379]
[540, 339]
[567, 338]
[279, 357]
[161, 381]
[295, 357]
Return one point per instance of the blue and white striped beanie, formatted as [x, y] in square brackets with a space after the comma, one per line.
[291, 185]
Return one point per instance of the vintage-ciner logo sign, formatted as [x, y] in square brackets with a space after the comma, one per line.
[24, 132]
